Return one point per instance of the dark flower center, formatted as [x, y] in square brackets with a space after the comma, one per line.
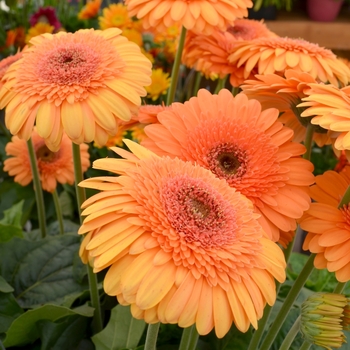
[45, 155]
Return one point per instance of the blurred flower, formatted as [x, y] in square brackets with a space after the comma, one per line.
[148, 114]
[285, 94]
[15, 37]
[79, 83]
[342, 161]
[329, 108]
[324, 316]
[6, 63]
[53, 166]
[115, 15]
[275, 55]
[209, 53]
[138, 133]
[246, 147]
[90, 10]
[329, 226]
[200, 16]
[160, 84]
[182, 246]
[39, 28]
[133, 35]
[46, 15]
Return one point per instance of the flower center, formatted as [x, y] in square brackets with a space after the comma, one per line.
[45, 155]
[227, 161]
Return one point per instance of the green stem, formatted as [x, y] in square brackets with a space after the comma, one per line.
[189, 338]
[306, 345]
[346, 198]
[151, 337]
[288, 340]
[288, 303]
[176, 68]
[220, 85]
[39, 197]
[81, 197]
[197, 83]
[339, 287]
[308, 141]
[235, 90]
[2, 346]
[58, 211]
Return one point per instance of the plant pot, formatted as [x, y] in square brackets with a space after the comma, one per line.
[265, 12]
[323, 10]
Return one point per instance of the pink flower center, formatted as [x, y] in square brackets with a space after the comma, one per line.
[198, 212]
[68, 65]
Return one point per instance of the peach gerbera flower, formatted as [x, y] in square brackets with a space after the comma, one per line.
[115, 16]
[148, 114]
[182, 246]
[328, 225]
[79, 83]
[201, 16]
[39, 28]
[285, 94]
[275, 55]
[209, 53]
[90, 10]
[6, 63]
[249, 148]
[53, 166]
[329, 108]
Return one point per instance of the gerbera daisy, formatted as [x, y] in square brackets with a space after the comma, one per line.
[53, 166]
[209, 53]
[328, 225]
[275, 55]
[201, 16]
[251, 149]
[160, 84]
[39, 28]
[148, 114]
[47, 15]
[182, 246]
[285, 94]
[329, 108]
[115, 16]
[90, 10]
[79, 83]
[6, 63]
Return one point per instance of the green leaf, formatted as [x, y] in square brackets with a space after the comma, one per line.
[66, 204]
[8, 232]
[41, 271]
[65, 333]
[13, 215]
[25, 328]
[9, 311]
[4, 286]
[122, 331]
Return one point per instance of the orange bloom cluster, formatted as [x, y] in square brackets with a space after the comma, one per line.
[329, 225]
[181, 245]
[90, 10]
[249, 148]
[53, 167]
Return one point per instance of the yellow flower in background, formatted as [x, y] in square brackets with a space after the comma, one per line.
[138, 133]
[78, 83]
[133, 35]
[115, 16]
[39, 28]
[90, 10]
[159, 85]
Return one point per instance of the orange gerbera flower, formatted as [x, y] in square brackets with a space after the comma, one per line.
[148, 114]
[115, 16]
[53, 166]
[329, 108]
[201, 16]
[182, 246]
[39, 28]
[80, 83]
[328, 225]
[6, 63]
[90, 10]
[275, 55]
[285, 93]
[249, 148]
[209, 53]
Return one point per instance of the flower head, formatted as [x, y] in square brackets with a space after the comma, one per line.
[115, 16]
[201, 16]
[160, 84]
[246, 147]
[53, 166]
[79, 83]
[329, 107]
[6, 63]
[39, 28]
[324, 316]
[275, 55]
[328, 225]
[209, 53]
[90, 10]
[182, 246]
[285, 93]
[46, 15]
